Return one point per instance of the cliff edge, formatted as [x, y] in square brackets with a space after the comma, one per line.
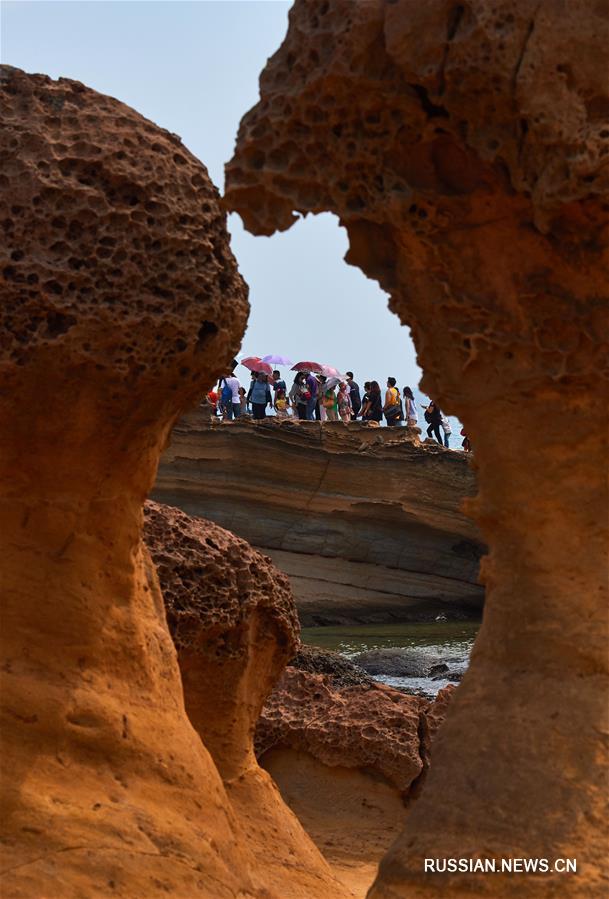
[366, 522]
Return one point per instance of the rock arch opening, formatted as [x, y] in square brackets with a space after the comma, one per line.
[451, 175]
[493, 248]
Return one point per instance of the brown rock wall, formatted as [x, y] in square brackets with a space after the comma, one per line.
[464, 149]
[234, 623]
[348, 755]
[233, 620]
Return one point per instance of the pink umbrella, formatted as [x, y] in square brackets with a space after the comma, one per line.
[275, 359]
[308, 366]
[330, 372]
[255, 363]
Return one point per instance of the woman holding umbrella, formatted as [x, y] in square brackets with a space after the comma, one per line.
[329, 402]
[297, 396]
[260, 395]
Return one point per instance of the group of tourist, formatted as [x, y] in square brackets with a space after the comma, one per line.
[315, 397]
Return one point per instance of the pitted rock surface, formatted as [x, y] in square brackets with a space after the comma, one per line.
[358, 726]
[234, 623]
[115, 250]
[212, 582]
[116, 277]
[464, 148]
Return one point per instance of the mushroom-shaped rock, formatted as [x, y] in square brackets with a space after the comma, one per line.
[464, 148]
[233, 619]
[116, 276]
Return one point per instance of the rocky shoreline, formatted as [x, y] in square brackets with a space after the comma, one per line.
[367, 523]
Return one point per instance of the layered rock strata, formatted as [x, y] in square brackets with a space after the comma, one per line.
[116, 275]
[366, 523]
[464, 148]
[232, 617]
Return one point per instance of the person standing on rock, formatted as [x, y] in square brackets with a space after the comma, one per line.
[410, 408]
[260, 396]
[242, 401]
[345, 410]
[365, 398]
[330, 405]
[278, 383]
[297, 396]
[313, 390]
[393, 405]
[354, 395]
[446, 428]
[281, 403]
[232, 404]
[373, 408]
[433, 417]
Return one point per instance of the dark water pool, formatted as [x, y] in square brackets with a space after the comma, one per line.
[426, 644]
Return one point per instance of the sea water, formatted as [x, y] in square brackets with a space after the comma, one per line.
[430, 643]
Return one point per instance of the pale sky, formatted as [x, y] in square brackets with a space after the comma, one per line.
[193, 67]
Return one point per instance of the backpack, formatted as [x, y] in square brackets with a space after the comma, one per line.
[227, 394]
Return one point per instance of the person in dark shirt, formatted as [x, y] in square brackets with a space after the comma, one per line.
[372, 410]
[354, 395]
[433, 417]
[278, 383]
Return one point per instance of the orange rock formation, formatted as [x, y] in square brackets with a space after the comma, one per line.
[348, 755]
[116, 271]
[233, 620]
[464, 147]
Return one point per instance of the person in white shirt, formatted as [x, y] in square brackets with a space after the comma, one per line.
[410, 408]
[233, 408]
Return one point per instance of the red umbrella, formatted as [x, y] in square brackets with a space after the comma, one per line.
[308, 366]
[255, 363]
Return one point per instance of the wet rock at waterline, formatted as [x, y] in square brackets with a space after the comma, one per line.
[408, 663]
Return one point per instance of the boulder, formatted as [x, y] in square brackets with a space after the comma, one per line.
[348, 755]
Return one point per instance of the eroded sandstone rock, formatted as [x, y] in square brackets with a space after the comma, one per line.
[464, 148]
[371, 727]
[233, 620]
[348, 755]
[116, 273]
